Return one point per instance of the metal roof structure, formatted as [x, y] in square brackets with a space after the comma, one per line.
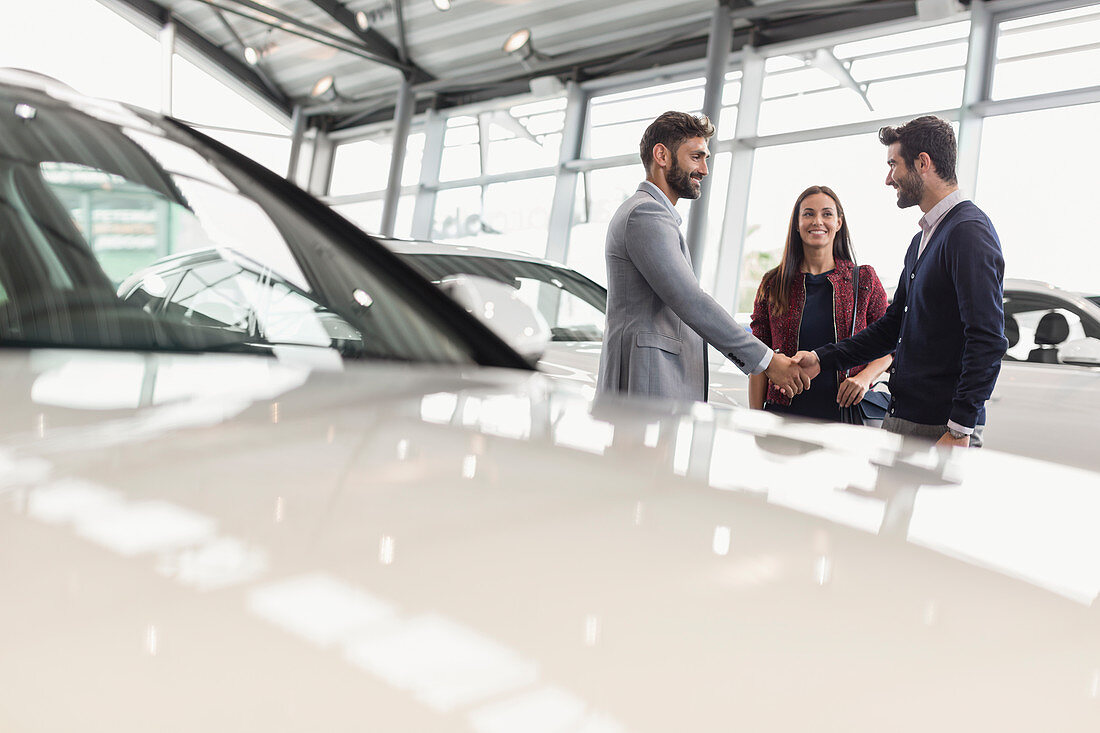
[279, 49]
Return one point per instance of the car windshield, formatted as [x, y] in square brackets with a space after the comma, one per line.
[122, 232]
[572, 304]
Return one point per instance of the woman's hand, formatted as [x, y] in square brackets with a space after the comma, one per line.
[852, 389]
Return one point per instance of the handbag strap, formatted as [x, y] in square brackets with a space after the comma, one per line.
[855, 295]
[855, 304]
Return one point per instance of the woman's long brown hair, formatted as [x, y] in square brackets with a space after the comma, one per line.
[777, 281]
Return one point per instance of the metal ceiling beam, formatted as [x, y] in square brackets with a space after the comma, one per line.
[258, 67]
[297, 28]
[245, 74]
[818, 19]
[372, 40]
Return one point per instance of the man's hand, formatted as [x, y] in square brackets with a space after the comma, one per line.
[786, 374]
[947, 440]
[811, 365]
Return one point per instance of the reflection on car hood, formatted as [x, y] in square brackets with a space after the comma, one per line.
[236, 543]
[578, 364]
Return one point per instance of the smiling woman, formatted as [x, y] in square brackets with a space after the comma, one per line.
[809, 300]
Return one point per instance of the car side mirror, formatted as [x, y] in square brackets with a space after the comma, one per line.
[1080, 352]
[498, 306]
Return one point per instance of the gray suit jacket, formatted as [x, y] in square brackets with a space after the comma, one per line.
[657, 315]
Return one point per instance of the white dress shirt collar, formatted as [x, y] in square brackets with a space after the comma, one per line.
[932, 219]
[658, 194]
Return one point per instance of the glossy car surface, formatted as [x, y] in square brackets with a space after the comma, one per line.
[221, 523]
[254, 545]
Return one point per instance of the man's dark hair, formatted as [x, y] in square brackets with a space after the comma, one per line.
[927, 134]
[671, 129]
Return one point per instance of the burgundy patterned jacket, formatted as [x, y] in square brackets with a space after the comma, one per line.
[781, 332]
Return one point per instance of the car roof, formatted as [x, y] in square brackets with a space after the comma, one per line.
[426, 247]
[1038, 287]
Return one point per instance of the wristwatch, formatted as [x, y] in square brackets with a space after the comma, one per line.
[957, 434]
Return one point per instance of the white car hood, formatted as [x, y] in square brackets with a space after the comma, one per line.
[229, 543]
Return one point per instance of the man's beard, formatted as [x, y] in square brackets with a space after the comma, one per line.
[910, 190]
[680, 182]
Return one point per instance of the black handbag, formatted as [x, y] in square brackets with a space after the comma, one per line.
[874, 406]
[871, 410]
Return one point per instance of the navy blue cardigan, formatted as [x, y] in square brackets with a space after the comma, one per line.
[946, 325]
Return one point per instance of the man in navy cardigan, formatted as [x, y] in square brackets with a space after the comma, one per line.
[946, 323]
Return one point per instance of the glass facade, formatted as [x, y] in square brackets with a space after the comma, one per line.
[500, 168]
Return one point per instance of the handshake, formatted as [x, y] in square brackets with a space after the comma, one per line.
[792, 374]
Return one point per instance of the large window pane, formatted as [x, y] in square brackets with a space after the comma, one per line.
[367, 215]
[200, 98]
[267, 150]
[718, 180]
[460, 162]
[1039, 199]
[517, 215]
[1046, 53]
[457, 213]
[618, 139]
[118, 61]
[525, 137]
[360, 167]
[363, 166]
[511, 216]
[599, 194]
[900, 74]
[616, 121]
[854, 167]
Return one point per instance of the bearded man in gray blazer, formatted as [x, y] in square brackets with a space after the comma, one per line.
[659, 320]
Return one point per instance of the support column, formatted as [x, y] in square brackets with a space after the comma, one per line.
[565, 192]
[565, 186]
[297, 132]
[731, 246]
[320, 171]
[402, 120]
[435, 131]
[167, 38]
[980, 60]
[718, 52]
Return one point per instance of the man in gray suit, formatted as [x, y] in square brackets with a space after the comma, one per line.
[659, 320]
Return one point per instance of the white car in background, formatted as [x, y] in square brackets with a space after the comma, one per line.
[1047, 396]
[369, 514]
[572, 304]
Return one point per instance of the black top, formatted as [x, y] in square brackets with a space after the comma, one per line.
[816, 329]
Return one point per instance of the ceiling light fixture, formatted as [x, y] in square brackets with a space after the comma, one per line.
[254, 53]
[519, 43]
[442, 4]
[325, 89]
[368, 17]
